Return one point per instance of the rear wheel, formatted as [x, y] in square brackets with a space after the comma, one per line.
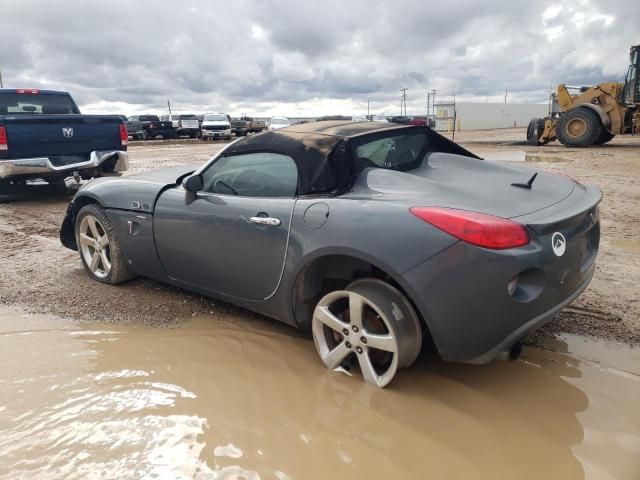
[369, 323]
[579, 127]
[99, 246]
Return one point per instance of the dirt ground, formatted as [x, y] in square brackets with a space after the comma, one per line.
[39, 275]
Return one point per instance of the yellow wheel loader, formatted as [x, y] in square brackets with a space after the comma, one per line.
[593, 115]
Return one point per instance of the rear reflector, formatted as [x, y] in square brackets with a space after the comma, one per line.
[475, 228]
[4, 144]
[32, 91]
[124, 135]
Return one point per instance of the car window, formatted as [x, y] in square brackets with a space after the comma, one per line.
[215, 118]
[253, 175]
[399, 152]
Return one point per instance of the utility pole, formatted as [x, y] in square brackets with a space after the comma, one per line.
[1, 84]
[428, 103]
[505, 95]
[169, 105]
[368, 115]
[433, 101]
[404, 101]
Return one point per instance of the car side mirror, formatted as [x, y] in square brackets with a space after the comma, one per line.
[194, 183]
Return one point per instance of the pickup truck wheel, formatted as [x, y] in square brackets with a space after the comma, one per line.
[369, 323]
[99, 246]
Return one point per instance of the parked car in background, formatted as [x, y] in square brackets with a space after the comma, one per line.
[44, 136]
[153, 127]
[215, 125]
[378, 118]
[400, 120]
[278, 122]
[188, 125]
[423, 122]
[463, 252]
[359, 118]
[134, 128]
[243, 125]
[170, 118]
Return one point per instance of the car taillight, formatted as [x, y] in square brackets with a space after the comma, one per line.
[4, 144]
[475, 228]
[124, 135]
[32, 91]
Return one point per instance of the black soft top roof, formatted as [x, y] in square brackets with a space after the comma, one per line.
[321, 149]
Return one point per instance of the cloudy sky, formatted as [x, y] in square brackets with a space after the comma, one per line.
[300, 58]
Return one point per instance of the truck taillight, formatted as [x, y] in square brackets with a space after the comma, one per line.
[475, 228]
[124, 135]
[4, 145]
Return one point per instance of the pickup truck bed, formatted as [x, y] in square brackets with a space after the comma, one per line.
[43, 135]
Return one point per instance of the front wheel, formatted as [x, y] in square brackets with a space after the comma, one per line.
[369, 323]
[99, 246]
[579, 127]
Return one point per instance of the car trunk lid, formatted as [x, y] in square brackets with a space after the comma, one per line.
[465, 183]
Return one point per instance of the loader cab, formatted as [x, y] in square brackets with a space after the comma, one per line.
[632, 81]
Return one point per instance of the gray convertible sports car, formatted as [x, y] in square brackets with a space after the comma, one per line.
[373, 236]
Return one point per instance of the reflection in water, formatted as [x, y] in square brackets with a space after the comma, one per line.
[249, 399]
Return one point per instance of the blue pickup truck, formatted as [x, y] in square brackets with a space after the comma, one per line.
[44, 136]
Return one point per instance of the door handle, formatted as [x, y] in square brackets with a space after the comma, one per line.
[272, 222]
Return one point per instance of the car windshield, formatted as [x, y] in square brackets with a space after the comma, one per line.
[188, 117]
[35, 103]
[215, 118]
[396, 152]
[279, 120]
[149, 118]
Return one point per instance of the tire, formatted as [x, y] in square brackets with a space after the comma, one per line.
[381, 336]
[579, 127]
[604, 137]
[102, 260]
[534, 131]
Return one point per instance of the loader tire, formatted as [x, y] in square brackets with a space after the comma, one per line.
[579, 127]
[534, 131]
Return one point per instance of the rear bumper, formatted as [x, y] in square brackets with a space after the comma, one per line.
[531, 326]
[43, 165]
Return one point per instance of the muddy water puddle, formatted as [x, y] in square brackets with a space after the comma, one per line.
[221, 399]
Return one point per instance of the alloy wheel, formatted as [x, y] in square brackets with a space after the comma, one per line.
[94, 245]
[346, 325]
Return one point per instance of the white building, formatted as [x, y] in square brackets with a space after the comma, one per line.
[480, 116]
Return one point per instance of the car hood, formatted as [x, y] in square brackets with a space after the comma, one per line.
[133, 192]
[465, 183]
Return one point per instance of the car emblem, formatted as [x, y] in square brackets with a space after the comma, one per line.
[558, 243]
[67, 132]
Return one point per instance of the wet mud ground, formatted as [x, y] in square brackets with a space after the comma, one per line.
[89, 389]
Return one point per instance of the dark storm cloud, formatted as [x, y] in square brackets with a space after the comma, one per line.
[257, 55]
